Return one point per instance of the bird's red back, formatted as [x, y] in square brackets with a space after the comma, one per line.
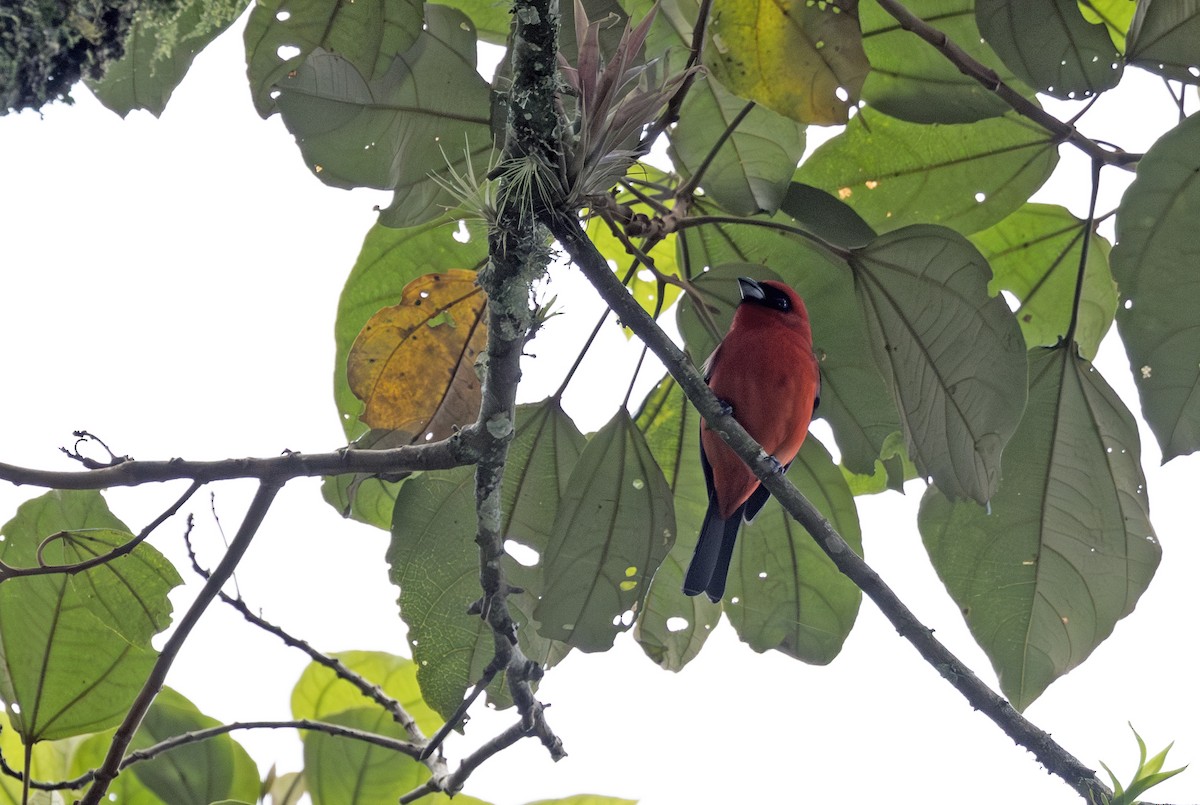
[766, 370]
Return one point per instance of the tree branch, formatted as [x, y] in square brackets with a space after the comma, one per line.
[460, 449]
[988, 78]
[111, 767]
[1054, 757]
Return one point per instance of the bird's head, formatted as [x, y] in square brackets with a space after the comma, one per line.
[774, 300]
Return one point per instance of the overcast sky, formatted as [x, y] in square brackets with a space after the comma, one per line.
[171, 285]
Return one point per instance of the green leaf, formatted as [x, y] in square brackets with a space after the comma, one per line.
[435, 561]
[320, 694]
[966, 176]
[803, 60]
[820, 214]
[952, 356]
[1115, 15]
[1164, 38]
[911, 80]
[671, 628]
[76, 649]
[854, 399]
[586, 799]
[784, 592]
[344, 771]
[1050, 45]
[751, 170]
[1067, 548]
[614, 527]
[197, 773]
[1154, 265]
[1035, 254]
[127, 788]
[892, 469]
[492, 20]
[389, 260]
[49, 762]
[394, 130]
[367, 33]
[159, 50]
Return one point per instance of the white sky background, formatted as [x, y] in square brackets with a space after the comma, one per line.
[171, 285]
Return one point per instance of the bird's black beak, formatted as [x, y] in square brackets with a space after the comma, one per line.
[751, 289]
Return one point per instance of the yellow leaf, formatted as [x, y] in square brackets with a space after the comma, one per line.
[801, 58]
[413, 364]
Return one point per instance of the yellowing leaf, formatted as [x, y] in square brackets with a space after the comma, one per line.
[801, 58]
[413, 364]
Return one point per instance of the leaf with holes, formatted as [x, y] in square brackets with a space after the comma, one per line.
[76, 648]
[967, 176]
[281, 34]
[434, 559]
[911, 80]
[784, 592]
[672, 628]
[952, 355]
[394, 130]
[1164, 38]
[1034, 254]
[801, 59]
[1051, 46]
[1154, 263]
[1067, 548]
[613, 529]
[413, 364]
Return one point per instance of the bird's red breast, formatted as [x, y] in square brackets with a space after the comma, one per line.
[766, 370]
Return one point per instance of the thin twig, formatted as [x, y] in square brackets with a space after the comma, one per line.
[1097, 166]
[7, 571]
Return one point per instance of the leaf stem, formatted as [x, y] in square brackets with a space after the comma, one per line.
[1097, 166]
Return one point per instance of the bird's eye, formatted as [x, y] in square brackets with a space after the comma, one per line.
[783, 304]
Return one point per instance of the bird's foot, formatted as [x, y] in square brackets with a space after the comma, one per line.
[776, 467]
[726, 408]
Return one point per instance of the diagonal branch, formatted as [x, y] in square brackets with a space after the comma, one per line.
[987, 77]
[1054, 757]
[111, 766]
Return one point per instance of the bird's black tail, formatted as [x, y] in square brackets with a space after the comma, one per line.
[714, 550]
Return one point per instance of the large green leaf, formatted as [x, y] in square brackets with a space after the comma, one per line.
[1035, 254]
[672, 627]
[1115, 15]
[1154, 263]
[75, 650]
[492, 20]
[1164, 38]
[1067, 547]
[751, 170]
[614, 527]
[161, 45]
[281, 34]
[395, 130]
[1050, 45]
[320, 693]
[435, 561]
[389, 260]
[196, 773]
[343, 771]
[854, 399]
[829, 218]
[49, 762]
[802, 59]
[911, 80]
[952, 355]
[784, 592]
[966, 176]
